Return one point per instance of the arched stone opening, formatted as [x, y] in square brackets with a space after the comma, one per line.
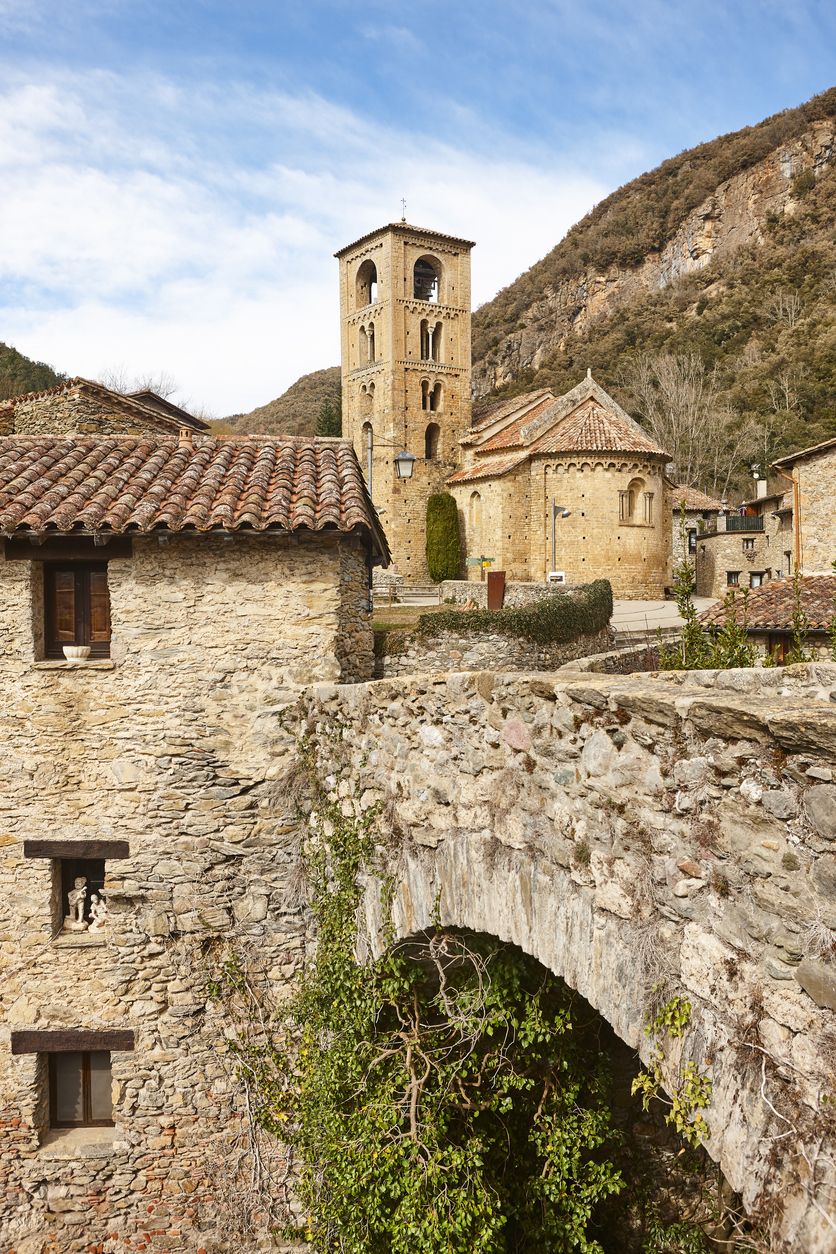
[426, 279]
[431, 437]
[366, 288]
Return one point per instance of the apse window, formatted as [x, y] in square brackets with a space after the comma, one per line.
[76, 610]
[80, 1093]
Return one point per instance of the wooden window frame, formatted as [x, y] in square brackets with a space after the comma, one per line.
[81, 571]
[733, 582]
[86, 1120]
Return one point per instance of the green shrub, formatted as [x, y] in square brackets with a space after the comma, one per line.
[556, 619]
[444, 550]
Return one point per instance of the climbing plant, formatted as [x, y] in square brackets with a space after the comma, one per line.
[448, 1095]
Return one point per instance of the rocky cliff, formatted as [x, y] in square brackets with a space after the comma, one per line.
[736, 213]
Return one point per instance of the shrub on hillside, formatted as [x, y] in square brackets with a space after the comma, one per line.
[444, 550]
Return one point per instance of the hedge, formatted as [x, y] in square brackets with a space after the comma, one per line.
[444, 552]
[556, 619]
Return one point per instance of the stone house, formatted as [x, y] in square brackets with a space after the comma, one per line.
[205, 581]
[82, 407]
[811, 495]
[693, 513]
[569, 488]
[747, 546]
[769, 612]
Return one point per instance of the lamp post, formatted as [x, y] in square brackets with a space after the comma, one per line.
[558, 511]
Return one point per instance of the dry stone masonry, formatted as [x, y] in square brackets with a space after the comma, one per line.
[640, 836]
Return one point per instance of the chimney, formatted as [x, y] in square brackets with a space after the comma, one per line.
[762, 489]
[185, 440]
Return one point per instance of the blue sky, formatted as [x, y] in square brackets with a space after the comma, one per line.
[177, 174]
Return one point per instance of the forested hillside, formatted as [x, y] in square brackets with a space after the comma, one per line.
[18, 374]
[296, 411]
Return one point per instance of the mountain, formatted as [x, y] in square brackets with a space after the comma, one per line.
[726, 252]
[18, 374]
[296, 411]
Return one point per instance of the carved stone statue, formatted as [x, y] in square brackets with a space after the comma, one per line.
[76, 898]
[98, 913]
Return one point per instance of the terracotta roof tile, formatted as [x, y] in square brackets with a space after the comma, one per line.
[692, 498]
[139, 483]
[506, 407]
[489, 469]
[593, 429]
[770, 607]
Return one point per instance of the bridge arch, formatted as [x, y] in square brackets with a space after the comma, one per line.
[600, 823]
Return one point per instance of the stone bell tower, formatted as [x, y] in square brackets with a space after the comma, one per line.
[405, 323]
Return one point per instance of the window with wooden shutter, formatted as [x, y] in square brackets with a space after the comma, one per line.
[77, 606]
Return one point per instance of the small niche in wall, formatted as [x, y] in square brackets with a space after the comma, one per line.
[78, 899]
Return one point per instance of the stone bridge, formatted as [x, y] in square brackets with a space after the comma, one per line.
[675, 832]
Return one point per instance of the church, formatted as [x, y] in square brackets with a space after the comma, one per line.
[564, 488]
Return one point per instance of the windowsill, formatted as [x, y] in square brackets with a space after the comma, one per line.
[79, 940]
[78, 664]
[78, 1143]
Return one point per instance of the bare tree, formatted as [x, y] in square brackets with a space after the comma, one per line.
[685, 412]
[786, 307]
[119, 379]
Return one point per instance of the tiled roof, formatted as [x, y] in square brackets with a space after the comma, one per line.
[692, 498]
[140, 403]
[593, 429]
[770, 607]
[517, 434]
[805, 452]
[138, 483]
[488, 469]
[506, 407]
[403, 228]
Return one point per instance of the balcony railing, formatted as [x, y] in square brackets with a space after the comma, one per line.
[734, 522]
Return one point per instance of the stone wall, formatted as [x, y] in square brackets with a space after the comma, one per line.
[640, 836]
[409, 653]
[74, 411]
[817, 489]
[173, 746]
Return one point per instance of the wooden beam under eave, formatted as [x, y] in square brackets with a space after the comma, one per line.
[71, 1040]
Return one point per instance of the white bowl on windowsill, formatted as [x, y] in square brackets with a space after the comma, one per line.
[76, 652]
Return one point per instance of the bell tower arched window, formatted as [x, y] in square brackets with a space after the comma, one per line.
[362, 347]
[426, 279]
[366, 289]
[431, 436]
[371, 342]
[435, 398]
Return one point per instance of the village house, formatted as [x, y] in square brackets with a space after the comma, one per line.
[768, 613]
[83, 407]
[163, 600]
[811, 496]
[746, 546]
[694, 512]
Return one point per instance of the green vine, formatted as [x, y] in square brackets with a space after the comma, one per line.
[692, 1093]
[446, 1096]
[554, 619]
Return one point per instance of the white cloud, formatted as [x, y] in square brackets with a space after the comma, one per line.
[168, 227]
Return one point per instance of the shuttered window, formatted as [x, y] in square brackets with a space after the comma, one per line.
[77, 607]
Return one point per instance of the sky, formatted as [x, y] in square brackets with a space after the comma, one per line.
[175, 175]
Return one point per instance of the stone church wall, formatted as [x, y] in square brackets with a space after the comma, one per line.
[817, 480]
[173, 746]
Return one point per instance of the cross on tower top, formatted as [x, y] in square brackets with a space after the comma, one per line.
[403, 209]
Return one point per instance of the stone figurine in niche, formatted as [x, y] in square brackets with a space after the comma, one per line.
[98, 913]
[76, 899]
